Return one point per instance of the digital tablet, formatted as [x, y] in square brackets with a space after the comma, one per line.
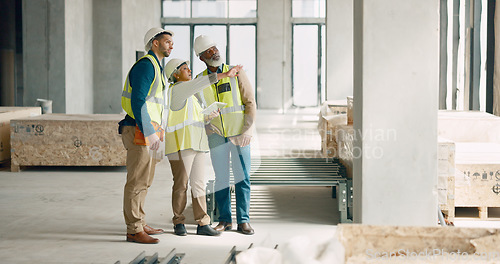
[213, 107]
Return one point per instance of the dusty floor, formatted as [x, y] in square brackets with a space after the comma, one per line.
[74, 215]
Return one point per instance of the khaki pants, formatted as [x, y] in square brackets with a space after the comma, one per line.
[140, 173]
[189, 165]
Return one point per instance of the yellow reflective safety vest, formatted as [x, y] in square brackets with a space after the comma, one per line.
[154, 99]
[185, 127]
[232, 116]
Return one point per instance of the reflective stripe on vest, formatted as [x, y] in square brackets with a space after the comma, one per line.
[154, 99]
[185, 127]
[231, 119]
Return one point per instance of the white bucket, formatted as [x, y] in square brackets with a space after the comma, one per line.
[45, 104]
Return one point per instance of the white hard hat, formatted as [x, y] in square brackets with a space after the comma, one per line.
[152, 33]
[172, 65]
[202, 43]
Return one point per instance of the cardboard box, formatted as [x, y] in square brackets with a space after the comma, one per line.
[6, 114]
[330, 117]
[338, 109]
[344, 135]
[67, 140]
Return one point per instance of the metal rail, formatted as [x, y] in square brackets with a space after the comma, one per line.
[296, 172]
[171, 258]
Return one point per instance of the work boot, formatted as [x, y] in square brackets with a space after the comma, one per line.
[152, 231]
[142, 237]
[245, 228]
[207, 230]
[180, 230]
[223, 226]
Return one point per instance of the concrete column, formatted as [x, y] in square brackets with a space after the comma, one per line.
[138, 16]
[396, 86]
[107, 65]
[339, 48]
[79, 57]
[119, 28]
[44, 52]
[274, 51]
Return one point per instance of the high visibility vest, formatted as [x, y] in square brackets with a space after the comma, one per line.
[185, 127]
[232, 116]
[154, 99]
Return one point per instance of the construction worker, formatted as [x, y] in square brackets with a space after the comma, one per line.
[142, 100]
[186, 143]
[229, 135]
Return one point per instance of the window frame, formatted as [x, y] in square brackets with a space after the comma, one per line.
[211, 18]
[193, 22]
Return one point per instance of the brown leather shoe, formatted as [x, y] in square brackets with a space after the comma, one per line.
[142, 238]
[246, 229]
[223, 226]
[152, 231]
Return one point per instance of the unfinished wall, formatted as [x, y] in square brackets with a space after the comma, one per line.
[119, 28]
[108, 41]
[274, 54]
[79, 59]
[78, 52]
[43, 52]
[138, 16]
[395, 119]
[339, 49]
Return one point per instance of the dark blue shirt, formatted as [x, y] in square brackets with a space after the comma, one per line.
[141, 77]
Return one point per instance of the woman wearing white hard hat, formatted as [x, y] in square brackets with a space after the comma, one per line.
[186, 142]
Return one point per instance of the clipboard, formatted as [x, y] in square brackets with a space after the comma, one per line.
[214, 106]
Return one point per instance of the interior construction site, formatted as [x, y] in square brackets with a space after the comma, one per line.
[249, 131]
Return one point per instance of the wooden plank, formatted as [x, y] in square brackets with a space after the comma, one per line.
[446, 178]
[483, 213]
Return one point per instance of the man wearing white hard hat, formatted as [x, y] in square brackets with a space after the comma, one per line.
[229, 135]
[186, 143]
[142, 100]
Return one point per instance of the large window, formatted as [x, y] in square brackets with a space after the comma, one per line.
[230, 23]
[209, 8]
[309, 8]
[308, 64]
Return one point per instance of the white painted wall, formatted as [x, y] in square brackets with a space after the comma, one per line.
[395, 109]
[339, 49]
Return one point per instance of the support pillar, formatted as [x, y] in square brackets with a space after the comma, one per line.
[396, 87]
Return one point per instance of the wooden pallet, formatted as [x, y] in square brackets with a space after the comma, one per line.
[478, 213]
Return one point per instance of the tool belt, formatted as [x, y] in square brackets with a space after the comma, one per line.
[139, 138]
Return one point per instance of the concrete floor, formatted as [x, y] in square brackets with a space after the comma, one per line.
[74, 214]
